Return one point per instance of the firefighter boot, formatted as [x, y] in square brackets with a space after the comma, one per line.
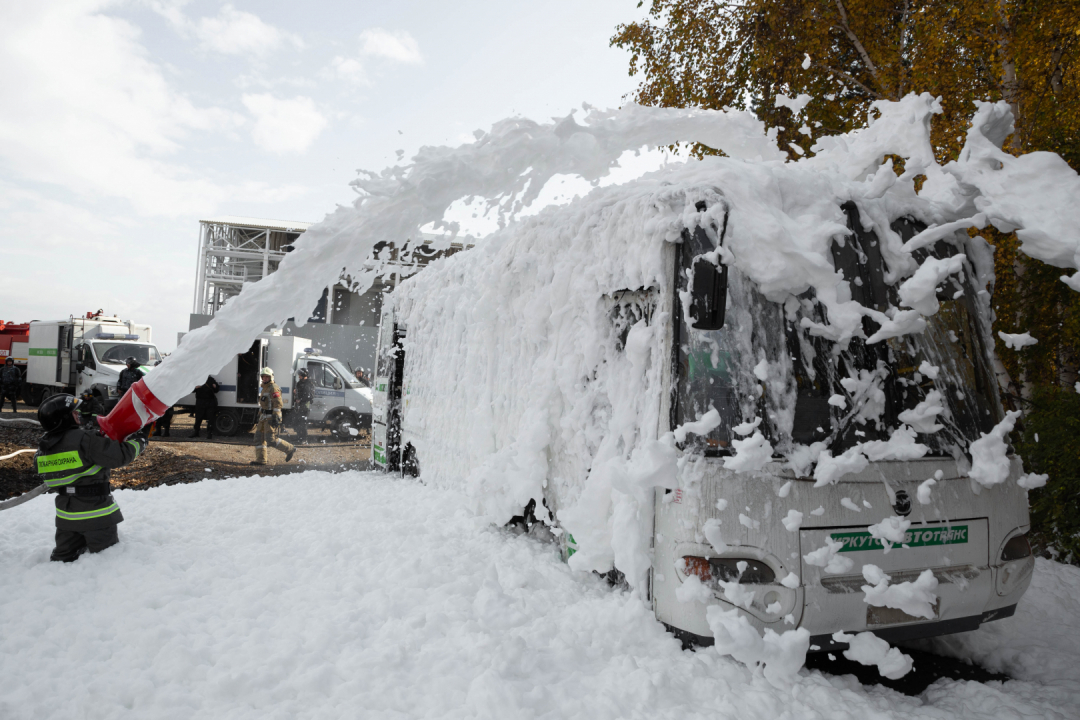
[260, 456]
[286, 448]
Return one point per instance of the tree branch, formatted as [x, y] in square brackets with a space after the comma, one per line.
[1055, 73]
[853, 81]
[858, 45]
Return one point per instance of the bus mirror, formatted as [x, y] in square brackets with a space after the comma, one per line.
[708, 301]
[337, 383]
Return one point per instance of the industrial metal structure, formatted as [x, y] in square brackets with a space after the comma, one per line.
[238, 250]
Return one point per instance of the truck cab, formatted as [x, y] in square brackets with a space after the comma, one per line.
[85, 354]
[341, 401]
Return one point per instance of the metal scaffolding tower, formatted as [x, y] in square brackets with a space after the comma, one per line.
[238, 250]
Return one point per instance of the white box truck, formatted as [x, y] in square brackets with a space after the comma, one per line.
[341, 402]
[84, 354]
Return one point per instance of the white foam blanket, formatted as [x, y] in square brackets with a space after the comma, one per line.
[517, 388]
[357, 595]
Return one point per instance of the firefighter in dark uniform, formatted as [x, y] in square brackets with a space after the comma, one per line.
[206, 406]
[128, 376]
[303, 395]
[163, 424]
[10, 380]
[269, 420]
[75, 464]
[89, 409]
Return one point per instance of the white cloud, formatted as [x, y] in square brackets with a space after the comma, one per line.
[348, 69]
[235, 32]
[284, 126]
[86, 109]
[398, 46]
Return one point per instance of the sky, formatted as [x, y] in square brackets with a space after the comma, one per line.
[122, 123]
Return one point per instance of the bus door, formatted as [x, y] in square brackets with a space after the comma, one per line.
[386, 394]
[394, 399]
[248, 366]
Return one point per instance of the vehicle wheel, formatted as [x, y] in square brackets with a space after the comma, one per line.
[343, 424]
[227, 423]
[44, 394]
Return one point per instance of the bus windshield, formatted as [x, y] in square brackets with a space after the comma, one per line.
[806, 389]
[117, 353]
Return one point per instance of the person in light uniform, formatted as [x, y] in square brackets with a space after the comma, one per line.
[269, 423]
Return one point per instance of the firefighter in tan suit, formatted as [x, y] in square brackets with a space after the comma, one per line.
[269, 420]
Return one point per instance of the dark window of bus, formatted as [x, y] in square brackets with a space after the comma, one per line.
[953, 342]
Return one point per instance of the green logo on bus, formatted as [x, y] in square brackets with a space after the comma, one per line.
[43, 352]
[919, 537]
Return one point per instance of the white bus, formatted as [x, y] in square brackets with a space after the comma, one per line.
[683, 406]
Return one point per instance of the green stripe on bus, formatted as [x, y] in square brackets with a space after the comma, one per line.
[58, 462]
[918, 537]
[43, 352]
[88, 515]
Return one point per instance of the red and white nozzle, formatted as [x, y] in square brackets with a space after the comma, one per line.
[138, 407]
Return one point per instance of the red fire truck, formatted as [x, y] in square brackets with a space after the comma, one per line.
[15, 343]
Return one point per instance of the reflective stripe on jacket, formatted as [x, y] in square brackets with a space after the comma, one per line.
[76, 457]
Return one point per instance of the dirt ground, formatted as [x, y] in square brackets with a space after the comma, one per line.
[180, 458]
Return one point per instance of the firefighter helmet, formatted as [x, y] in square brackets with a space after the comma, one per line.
[56, 412]
[268, 371]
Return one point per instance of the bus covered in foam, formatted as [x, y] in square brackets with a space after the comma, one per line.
[762, 393]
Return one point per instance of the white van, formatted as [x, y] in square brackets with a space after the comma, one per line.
[341, 402]
[684, 389]
[84, 354]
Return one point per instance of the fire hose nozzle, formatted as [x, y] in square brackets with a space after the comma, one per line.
[137, 408]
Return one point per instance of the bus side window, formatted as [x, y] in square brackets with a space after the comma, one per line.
[708, 303]
[627, 308]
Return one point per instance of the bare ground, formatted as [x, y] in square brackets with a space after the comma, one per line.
[181, 459]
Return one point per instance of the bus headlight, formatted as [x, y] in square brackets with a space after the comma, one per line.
[1016, 549]
[1015, 565]
[732, 579]
[745, 571]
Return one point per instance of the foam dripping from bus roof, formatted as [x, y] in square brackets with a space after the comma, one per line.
[537, 356]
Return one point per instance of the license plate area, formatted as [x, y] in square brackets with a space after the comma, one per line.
[879, 616]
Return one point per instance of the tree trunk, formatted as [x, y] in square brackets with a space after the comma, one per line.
[1010, 86]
